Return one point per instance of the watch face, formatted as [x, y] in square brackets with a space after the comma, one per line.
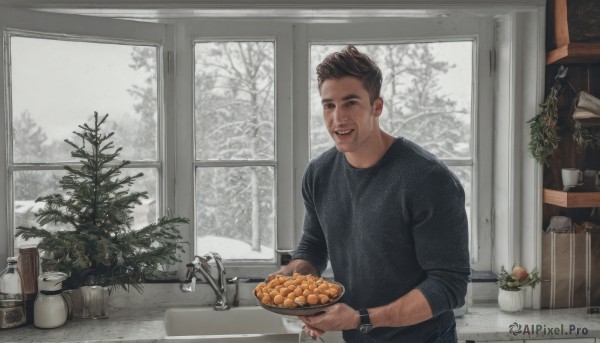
[365, 328]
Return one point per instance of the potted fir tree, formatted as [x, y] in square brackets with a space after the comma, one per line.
[99, 249]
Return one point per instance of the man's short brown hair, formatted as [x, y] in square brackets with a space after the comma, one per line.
[351, 62]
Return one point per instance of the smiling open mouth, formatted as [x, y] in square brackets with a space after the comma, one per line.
[343, 132]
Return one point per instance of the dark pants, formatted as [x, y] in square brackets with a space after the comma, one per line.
[448, 336]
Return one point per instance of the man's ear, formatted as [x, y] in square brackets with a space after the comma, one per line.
[378, 106]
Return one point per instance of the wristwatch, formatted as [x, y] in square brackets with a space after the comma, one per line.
[365, 325]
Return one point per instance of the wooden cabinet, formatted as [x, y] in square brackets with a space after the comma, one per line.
[573, 39]
[573, 32]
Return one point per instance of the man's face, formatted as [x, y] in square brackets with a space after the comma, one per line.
[349, 117]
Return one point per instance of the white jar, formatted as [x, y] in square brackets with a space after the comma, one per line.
[50, 309]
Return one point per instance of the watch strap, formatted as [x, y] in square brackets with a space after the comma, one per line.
[365, 321]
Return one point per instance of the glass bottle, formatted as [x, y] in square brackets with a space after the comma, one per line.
[11, 292]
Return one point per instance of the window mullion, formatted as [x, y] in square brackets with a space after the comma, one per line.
[224, 163]
[457, 162]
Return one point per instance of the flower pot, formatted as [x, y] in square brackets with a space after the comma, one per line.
[91, 302]
[511, 301]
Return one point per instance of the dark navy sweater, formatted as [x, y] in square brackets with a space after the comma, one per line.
[398, 225]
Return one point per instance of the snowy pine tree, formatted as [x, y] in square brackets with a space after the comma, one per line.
[99, 245]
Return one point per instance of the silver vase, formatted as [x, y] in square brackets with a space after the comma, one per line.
[92, 302]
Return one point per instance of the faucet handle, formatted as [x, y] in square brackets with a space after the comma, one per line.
[218, 261]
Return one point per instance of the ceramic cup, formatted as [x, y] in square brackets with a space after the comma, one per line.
[590, 178]
[571, 177]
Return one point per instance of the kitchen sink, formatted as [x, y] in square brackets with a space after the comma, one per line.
[239, 324]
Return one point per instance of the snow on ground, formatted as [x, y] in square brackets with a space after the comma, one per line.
[231, 249]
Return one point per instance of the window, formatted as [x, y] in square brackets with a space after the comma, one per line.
[52, 95]
[230, 156]
[234, 116]
[437, 93]
[237, 103]
[57, 77]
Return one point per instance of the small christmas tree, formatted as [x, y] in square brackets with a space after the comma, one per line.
[99, 245]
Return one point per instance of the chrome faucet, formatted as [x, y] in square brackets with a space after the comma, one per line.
[200, 264]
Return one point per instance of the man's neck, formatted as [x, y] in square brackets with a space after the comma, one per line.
[367, 156]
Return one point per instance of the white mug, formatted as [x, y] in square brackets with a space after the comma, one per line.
[571, 177]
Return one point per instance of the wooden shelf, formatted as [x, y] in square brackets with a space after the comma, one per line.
[574, 53]
[571, 199]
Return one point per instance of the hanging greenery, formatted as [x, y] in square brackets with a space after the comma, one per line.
[99, 245]
[544, 138]
[585, 136]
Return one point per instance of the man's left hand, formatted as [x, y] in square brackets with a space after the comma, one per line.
[336, 317]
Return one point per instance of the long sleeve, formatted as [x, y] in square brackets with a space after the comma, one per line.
[440, 234]
[312, 246]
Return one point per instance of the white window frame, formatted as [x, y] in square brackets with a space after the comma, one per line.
[75, 28]
[190, 32]
[478, 30]
[303, 35]
[517, 66]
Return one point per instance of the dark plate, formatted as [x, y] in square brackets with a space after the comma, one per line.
[302, 311]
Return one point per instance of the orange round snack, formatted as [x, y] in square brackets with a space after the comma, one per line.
[296, 291]
[323, 299]
[278, 299]
[289, 303]
[312, 299]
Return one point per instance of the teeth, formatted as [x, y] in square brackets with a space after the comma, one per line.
[344, 132]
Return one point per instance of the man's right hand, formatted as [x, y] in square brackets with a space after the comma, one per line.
[296, 266]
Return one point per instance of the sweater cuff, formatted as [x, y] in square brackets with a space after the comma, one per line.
[434, 295]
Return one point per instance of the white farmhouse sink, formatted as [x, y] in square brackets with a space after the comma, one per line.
[239, 324]
[247, 324]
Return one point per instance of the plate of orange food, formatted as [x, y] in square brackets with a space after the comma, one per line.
[297, 295]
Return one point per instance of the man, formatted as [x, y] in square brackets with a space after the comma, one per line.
[388, 215]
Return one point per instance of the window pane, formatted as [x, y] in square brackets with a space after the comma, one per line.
[52, 95]
[236, 212]
[234, 106]
[32, 184]
[426, 91]
[28, 186]
[145, 213]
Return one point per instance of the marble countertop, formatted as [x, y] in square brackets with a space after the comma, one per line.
[483, 322]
